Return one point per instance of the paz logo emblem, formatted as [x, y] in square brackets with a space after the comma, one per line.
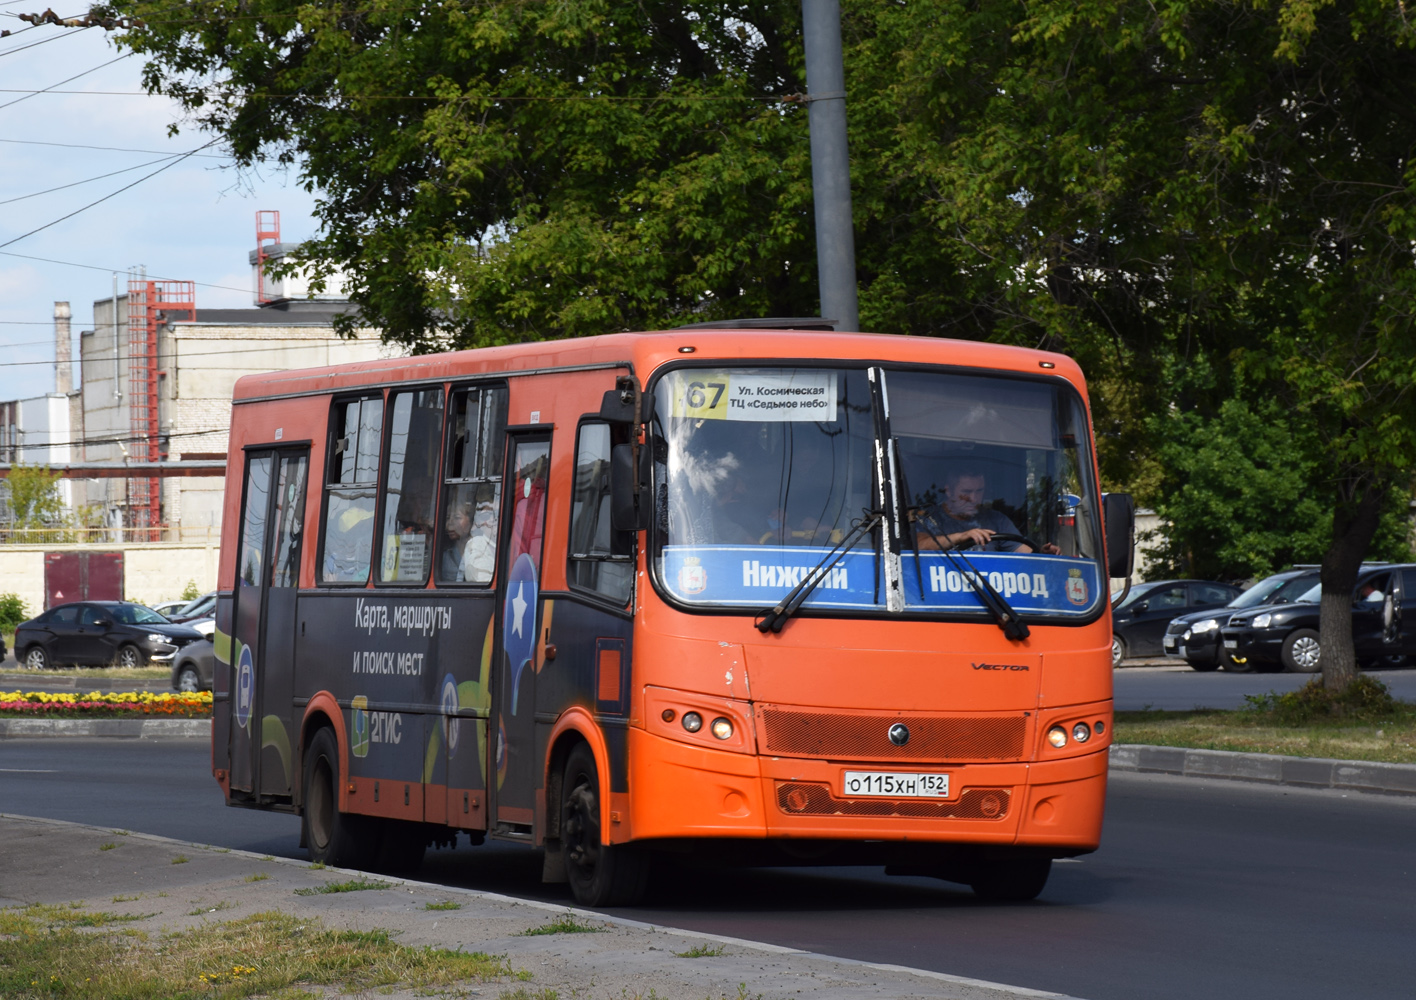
[899, 734]
[359, 741]
[1076, 587]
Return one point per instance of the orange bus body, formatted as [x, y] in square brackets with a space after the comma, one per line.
[804, 704]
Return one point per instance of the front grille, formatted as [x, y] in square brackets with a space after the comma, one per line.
[805, 798]
[790, 732]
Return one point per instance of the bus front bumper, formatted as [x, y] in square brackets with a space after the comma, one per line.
[679, 790]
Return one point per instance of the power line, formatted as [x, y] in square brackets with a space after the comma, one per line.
[43, 41]
[111, 149]
[116, 270]
[28, 95]
[87, 180]
[183, 356]
[500, 98]
[111, 194]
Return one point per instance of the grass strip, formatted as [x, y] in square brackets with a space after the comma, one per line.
[564, 924]
[1362, 723]
[47, 951]
[353, 885]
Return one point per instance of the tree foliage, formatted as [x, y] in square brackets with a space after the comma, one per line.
[1221, 187]
[35, 501]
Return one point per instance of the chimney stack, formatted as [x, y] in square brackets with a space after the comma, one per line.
[63, 359]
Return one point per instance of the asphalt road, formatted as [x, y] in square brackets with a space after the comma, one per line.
[1181, 689]
[1201, 888]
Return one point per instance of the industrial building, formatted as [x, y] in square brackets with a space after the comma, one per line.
[143, 437]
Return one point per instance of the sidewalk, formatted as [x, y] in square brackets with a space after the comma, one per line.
[48, 861]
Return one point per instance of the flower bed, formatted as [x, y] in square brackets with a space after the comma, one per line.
[97, 705]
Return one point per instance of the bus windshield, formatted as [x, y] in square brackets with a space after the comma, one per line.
[761, 472]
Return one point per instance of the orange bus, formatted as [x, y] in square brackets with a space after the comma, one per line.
[764, 596]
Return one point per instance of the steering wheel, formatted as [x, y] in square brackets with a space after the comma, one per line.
[1007, 536]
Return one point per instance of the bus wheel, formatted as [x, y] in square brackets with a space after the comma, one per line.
[599, 874]
[332, 837]
[1016, 880]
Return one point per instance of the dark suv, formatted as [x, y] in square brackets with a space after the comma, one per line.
[1286, 635]
[1195, 639]
[1138, 623]
[98, 633]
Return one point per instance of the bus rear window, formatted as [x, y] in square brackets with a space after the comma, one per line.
[351, 490]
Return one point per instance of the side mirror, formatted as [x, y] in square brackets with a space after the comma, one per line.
[630, 504]
[1142, 607]
[1119, 514]
[617, 405]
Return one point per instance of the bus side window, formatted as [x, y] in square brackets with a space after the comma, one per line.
[414, 440]
[476, 446]
[601, 559]
[351, 489]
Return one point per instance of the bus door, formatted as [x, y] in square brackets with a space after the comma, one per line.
[512, 788]
[264, 621]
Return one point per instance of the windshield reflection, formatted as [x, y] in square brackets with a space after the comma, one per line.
[760, 472]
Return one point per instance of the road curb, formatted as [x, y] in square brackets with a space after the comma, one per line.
[1266, 768]
[132, 729]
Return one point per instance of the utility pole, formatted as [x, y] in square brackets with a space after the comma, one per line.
[830, 161]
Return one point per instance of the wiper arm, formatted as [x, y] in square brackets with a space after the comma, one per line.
[774, 620]
[1013, 627]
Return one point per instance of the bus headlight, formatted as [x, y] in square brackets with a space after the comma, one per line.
[1057, 736]
[692, 721]
[1081, 732]
[722, 728]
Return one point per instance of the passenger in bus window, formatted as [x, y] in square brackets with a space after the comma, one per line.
[961, 519]
[470, 555]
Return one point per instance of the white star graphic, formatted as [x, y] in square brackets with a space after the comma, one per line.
[518, 604]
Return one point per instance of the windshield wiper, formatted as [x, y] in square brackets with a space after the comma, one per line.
[774, 619]
[996, 604]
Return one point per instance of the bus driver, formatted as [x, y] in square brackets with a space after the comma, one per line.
[964, 520]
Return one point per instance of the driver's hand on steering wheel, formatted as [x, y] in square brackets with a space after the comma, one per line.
[974, 536]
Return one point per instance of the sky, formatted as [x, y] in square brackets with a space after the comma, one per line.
[195, 220]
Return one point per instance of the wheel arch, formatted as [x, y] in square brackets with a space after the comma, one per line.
[576, 725]
[321, 712]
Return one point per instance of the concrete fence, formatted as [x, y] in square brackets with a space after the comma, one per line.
[152, 571]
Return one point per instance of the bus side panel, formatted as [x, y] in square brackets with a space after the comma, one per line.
[221, 689]
[591, 669]
[393, 659]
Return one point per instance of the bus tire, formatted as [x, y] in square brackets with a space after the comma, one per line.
[599, 874]
[1016, 880]
[333, 838]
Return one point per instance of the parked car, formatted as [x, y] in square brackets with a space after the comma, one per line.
[1285, 636]
[191, 670]
[1138, 623]
[206, 626]
[97, 633]
[1194, 637]
[169, 608]
[200, 608]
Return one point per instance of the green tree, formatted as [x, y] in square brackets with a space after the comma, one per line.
[35, 502]
[1242, 495]
[1151, 188]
